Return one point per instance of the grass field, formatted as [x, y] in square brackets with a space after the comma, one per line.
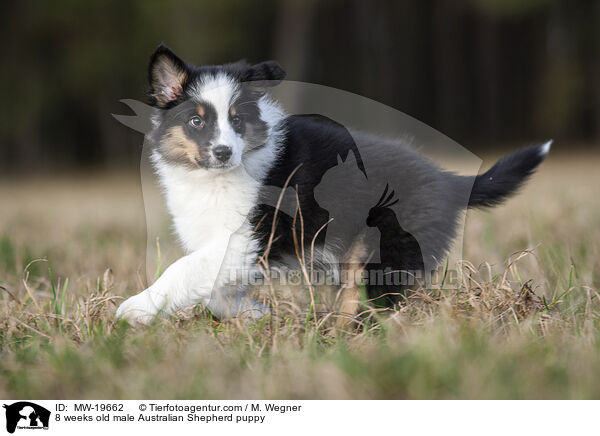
[523, 323]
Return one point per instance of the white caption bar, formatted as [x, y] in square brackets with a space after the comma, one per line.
[269, 417]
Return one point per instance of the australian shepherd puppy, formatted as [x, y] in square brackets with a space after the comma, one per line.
[245, 183]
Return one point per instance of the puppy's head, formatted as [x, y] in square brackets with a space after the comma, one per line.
[211, 116]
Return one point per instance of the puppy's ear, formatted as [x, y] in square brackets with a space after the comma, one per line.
[268, 73]
[167, 75]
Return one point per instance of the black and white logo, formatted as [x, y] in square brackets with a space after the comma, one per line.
[26, 415]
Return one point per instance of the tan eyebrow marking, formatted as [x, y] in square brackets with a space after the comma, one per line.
[201, 110]
[232, 111]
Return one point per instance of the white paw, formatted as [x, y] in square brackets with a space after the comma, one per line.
[255, 310]
[139, 309]
[238, 306]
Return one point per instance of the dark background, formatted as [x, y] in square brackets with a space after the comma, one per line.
[487, 73]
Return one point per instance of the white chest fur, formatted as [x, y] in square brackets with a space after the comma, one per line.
[208, 206]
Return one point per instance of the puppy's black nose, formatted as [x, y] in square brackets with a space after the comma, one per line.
[222, 152]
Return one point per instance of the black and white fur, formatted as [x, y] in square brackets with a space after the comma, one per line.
[222, 144]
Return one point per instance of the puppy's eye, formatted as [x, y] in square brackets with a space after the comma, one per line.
[197, 122]
[236, 121]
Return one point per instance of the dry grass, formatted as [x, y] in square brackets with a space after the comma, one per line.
[522, 323]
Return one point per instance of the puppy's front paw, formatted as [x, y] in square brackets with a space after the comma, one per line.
[139, 309]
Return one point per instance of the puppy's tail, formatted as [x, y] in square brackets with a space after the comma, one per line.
[507, 175]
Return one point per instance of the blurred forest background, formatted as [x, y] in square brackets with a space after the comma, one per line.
[483, 72]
